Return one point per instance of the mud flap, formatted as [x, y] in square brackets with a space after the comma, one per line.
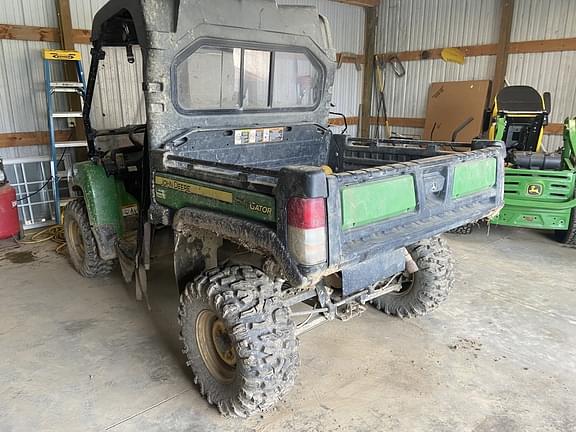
[367, 273]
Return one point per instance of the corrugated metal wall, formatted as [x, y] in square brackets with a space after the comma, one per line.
[406, 25]
[22, 104]
[403, 25]
[118, 99]
[552, 72]
[409, 25]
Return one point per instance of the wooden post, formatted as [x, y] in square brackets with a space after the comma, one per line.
[370, 24]
[67, 43]
[503, 46]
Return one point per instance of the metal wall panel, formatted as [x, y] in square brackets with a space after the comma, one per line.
[407, 25]
[29, 12]
[538, 19]
[407, 96]
[552, 72]
[22, 97]
[424, 24]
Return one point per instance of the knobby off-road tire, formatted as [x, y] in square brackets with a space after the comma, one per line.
[463, 230]
[568, 237]
[426, 289]
[251, 363]
[82, 247]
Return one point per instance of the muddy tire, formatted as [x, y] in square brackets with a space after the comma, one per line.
[463, 230]
[239, 339]
[81, 244]
[425, 290]
[568, 237]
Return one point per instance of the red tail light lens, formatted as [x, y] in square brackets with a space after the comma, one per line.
[307, 240]
[307, 213]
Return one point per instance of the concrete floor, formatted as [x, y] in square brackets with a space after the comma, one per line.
[80, 355]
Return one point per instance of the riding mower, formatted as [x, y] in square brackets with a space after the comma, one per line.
[539, 188]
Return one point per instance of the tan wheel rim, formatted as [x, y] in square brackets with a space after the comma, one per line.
[75, 240]
[215, 346]
[406, 282]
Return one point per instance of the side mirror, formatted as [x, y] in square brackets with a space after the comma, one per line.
[547, 102]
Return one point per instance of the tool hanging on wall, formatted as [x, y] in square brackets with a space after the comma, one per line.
[380, 77]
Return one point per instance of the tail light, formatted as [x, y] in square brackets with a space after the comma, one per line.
[307, 230]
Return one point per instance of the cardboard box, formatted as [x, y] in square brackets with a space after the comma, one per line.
[452, 104]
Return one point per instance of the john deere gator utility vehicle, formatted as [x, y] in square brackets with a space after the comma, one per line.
[278, 224]
[539, 188]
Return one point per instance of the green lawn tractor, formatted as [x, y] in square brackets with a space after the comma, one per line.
[539, 187]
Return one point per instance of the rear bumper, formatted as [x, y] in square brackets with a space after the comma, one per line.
[439, 205]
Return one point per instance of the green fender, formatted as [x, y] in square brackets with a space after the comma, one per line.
[106, 201]
[569, 150]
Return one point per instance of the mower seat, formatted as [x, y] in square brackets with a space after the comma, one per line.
[525, 114]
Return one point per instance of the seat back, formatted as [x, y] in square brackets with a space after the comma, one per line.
[524, 113]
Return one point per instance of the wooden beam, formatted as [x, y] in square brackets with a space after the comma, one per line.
[401, 122]
[370, 24]
[540, 46]
[82, 36]
[65, 25]
[435, 53]
[23, 139]
[418, 123]
[339, 121]
[394, 121]
[345, 57]
[525, 47]
[43, 34]
[28, 33]
[70, 74]
[554, 129]
[506, 18]
[364, 3]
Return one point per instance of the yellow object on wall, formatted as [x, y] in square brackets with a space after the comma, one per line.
[453, 55]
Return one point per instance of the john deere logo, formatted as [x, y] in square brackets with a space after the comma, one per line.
[535, 189]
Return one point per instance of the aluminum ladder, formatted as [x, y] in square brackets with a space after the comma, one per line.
[52, 88]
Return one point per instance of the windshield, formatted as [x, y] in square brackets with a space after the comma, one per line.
[215, 77]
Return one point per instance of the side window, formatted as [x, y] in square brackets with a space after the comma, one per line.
[236, 78]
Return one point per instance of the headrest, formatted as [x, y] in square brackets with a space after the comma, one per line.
[519, 99]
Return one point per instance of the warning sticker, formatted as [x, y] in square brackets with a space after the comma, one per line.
[258, 136]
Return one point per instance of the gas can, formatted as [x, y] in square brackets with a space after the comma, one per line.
[9, 221]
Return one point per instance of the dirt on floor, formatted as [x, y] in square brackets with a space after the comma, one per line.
[500, 355]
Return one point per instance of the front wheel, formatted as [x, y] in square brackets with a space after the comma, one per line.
[239, 339]
[423, 291]
[568, 237]
[81, 243]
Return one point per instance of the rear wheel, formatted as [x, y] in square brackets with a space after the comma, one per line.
[422, 291]
[568, 237]
[81, 244]
[239, 339]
